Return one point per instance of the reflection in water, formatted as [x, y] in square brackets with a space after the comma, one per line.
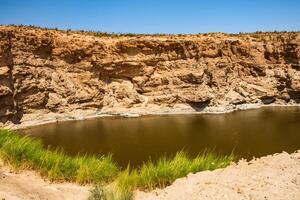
[250, 133]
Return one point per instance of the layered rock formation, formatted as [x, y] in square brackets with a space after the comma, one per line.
[54, 72]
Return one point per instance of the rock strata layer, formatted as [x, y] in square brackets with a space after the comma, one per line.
[58, 73]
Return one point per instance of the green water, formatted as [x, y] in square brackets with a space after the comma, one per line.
[249, 133]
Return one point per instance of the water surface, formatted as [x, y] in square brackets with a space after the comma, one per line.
[250, 133]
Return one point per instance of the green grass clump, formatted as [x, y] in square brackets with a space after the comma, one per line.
[165, 171]
[110, 192]
[26, 153]
[158, 174]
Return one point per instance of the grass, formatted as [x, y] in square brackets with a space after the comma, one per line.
[165, 171]
[158, 174]
[111, 182]
[26, 153]
[110, 192]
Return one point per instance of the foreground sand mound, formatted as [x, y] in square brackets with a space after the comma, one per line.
[29, 185]
[271, 177]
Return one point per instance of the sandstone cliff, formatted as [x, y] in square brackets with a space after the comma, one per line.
[50, 72]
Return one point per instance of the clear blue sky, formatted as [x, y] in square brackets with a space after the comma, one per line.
[155, 16]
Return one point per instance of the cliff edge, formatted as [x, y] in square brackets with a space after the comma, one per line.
[53, 75]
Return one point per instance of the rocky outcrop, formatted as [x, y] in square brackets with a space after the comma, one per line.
[57, 72]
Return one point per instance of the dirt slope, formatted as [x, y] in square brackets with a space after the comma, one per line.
[274, 177]
[28, 185]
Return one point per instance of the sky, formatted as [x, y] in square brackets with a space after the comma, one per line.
[155, 16]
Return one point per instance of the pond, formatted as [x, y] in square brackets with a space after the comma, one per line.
[248, 133]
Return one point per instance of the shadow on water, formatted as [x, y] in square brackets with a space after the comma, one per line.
[250, 133]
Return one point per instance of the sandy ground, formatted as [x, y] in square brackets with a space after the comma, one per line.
[274, 177]
[28, 185]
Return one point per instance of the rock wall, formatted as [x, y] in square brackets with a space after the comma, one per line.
[58, 72]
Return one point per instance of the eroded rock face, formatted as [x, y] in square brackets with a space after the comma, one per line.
[48, 71]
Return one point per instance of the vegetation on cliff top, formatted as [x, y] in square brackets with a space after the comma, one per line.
[27, 153]
[256, 34]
